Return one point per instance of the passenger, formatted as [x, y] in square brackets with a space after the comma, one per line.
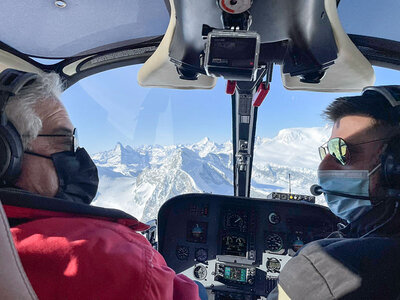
[67, 255]
[362, 158]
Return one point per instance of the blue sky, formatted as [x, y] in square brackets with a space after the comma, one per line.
[111, 107]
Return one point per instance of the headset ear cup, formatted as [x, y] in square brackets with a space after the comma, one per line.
[11, 152]
[5, 155]
[391, 164]
[387, 161]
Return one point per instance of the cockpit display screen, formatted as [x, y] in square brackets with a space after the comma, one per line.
[235, 274]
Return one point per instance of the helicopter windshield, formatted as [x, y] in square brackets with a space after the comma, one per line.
[153, 144]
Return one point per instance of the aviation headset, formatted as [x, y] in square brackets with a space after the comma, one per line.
[390, 158]
[11, 148]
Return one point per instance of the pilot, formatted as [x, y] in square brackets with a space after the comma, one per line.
[360, 177]
[67, 254]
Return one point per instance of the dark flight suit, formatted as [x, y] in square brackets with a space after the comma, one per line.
[348, 267]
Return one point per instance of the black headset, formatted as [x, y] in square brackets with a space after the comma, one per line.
[11, 148]
[390, 158]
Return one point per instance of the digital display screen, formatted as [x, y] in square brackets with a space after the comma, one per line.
[235, 274]
[233, 52]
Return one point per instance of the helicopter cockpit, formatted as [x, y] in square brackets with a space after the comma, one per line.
[234, 245]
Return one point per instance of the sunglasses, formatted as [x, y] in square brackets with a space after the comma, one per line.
[339, 149]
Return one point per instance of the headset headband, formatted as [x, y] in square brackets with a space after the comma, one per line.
[390, 92]
[11, 82]
[11, 148]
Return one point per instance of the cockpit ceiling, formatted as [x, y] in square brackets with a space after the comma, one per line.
[81, 28]
[42, 29]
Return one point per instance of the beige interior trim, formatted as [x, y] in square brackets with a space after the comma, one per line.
[278, 293]
[71, 68]
[351, 71]
[8, 60]
[14, 283]
[159, 71]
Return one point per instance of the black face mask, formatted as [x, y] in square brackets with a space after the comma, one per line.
[77, 175]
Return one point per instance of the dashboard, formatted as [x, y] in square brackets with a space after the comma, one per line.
[236, 247]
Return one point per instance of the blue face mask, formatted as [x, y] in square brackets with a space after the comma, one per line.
[352, 182]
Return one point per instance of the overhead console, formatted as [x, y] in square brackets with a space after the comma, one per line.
[283, 27]
[236, 247]
[234, 39]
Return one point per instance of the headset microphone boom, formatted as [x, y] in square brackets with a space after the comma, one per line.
[317, 190]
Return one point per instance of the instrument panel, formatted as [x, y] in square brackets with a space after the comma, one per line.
[236, 247]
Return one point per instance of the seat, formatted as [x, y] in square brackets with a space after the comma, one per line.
[14, 283]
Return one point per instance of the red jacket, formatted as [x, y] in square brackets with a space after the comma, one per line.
[67, 256]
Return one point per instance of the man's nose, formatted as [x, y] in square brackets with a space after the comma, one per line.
[329, 163]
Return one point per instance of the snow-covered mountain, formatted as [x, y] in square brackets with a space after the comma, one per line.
[139, 180]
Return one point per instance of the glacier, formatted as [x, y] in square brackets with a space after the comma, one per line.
[139, 180]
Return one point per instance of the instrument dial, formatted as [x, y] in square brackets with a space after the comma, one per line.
[196, 232]
[273, 265]
[201, 255]
[235, 6]
[200, 272]
[236, 220]
[274, 218]
[182, 252]
[274, 242]
[297, 244]
[234, 245]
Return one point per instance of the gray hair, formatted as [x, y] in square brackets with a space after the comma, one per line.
[20, 109]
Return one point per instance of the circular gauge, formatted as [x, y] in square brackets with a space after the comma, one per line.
[274, 242]
[234, 245]
[274, 218]
[235, 6]
[201, 255]
[273, 265]
[240, 241]
[200, 272]
[297, 244]
[234, 221]
[182, 252]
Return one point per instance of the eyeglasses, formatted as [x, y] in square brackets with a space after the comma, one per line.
[74, 144]
[339, 149]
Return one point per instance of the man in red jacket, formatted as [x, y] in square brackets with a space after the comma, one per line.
[69, 249]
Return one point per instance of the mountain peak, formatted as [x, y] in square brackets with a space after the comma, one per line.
[204, 141]
[118, 146]
[290, 134]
